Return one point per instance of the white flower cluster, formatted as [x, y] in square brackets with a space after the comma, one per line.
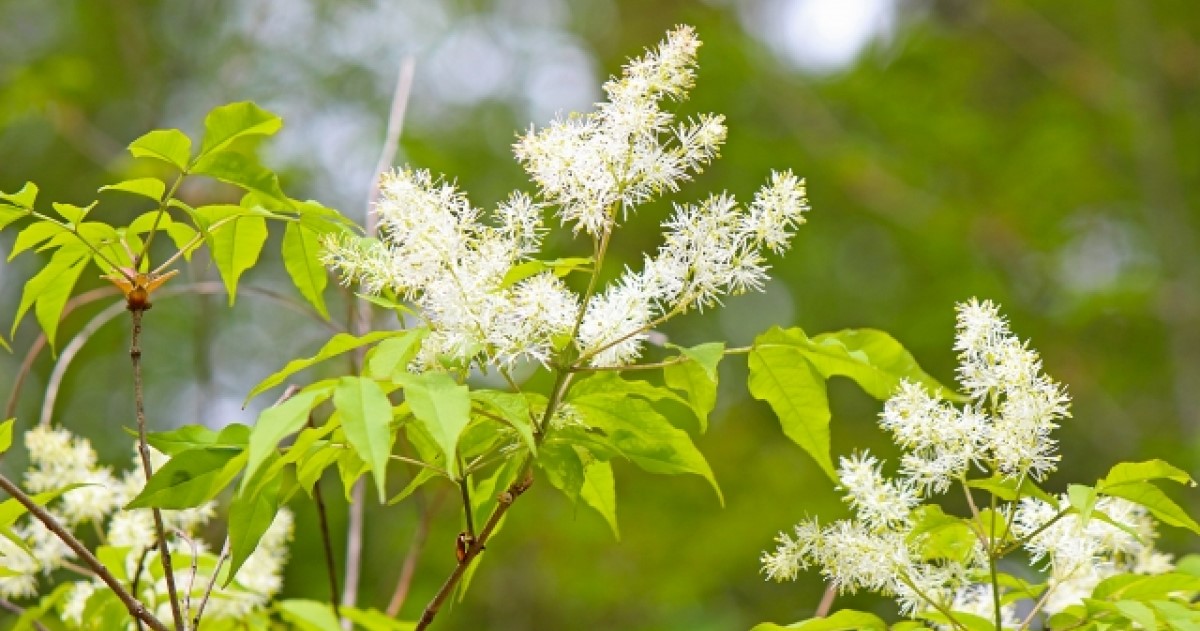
[434, 250]
[1006, 425]
[877, 550]
[58, 459]
[1004, 428]
[1078, 555]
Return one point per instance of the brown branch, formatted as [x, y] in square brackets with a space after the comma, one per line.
[504, 501]
[326, 543]
[211, 582]
[136, 609]
[164, 551]
[826, 604]
[137, 577]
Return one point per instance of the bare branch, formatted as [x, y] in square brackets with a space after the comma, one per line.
[133, 605]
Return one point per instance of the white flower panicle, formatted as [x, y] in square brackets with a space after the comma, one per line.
[999, 371]
[627, 151]
[880, 503]
[1007, 423]
[435, 251]
[1004, 428]
[59, 459]
[1079, 554]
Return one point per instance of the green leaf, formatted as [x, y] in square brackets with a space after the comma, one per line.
[350, 469]
[788, 370]
[309, 615]
[373, 620]
[484, 496]
[309, 470]
[11, 510]
[1144, 587]
[228, 123]
[150, 187]
[872, 358]
[62, 269]
[513, 408]
[34, 234]
[706, 356]
[235, 245]
[53, 294]
[301, 258]
[337, 345]
[6, 434]
[942, 536]
[394, 354]
[968, 621]
[1178, 616]
[423, 476]
[529, 269]
[23, 198]
[1138, 613]
[43, 609]
[71, 212]
[609, 382]
[442, 406]
[1009, 489]
[188, 437]
[697, 378]
[600, 492]
[521, 271]
[250, 515]
[844, 620]
[563, 468]
[9, 214]
[277, 422]
[635, 430]
[244, 171]
[190, 479]
[168, 145]
[1155, 501]
[795, 391]
[1083, 499]
[366, 416]
[1129, 472]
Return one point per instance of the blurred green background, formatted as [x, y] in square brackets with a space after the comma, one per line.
[1044, 155]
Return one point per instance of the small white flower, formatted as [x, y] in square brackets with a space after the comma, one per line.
[880, 503]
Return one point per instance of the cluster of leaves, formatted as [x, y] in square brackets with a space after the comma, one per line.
[235, 234]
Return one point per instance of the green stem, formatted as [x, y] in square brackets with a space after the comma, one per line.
[162, 210]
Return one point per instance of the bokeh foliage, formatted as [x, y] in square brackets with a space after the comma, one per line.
[1038, 154]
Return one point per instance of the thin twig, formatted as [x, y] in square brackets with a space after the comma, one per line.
[86, 297]
[187, 594]
[132, 604]
[826, 604]
[164, 550]
[137, 577]
[68, 355]
[211, 582]
[464, 486]
[361, 316]
[503, 502]
[409, 568]
[326, 542]
[391, 142]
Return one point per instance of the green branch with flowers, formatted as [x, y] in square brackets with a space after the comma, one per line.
[474, 293]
